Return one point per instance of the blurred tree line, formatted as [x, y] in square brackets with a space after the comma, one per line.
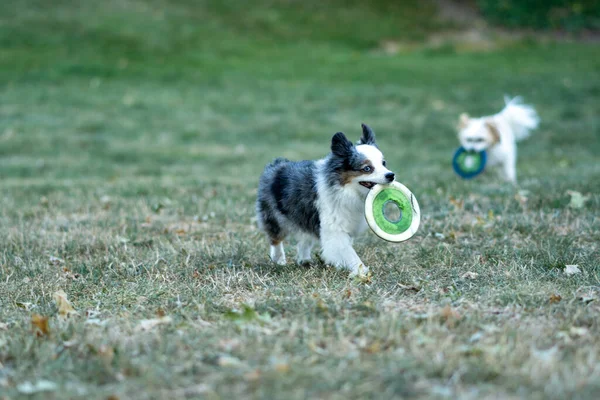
[543, 14]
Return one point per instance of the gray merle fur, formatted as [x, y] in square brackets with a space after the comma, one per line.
[287, 191]
[287, 196]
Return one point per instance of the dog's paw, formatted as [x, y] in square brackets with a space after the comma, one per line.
[279, 260]
[304, 263]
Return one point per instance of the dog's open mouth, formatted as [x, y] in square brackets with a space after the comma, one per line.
[368, 185]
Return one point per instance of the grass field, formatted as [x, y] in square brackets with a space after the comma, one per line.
[132, 135]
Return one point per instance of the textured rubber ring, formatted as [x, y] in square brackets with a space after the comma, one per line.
[397, 230]
[468, 164]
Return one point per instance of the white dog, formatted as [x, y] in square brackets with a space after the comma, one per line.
[322, 201]
[498, 134]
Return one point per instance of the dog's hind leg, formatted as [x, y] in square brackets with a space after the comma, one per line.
[509, 170]
[277, 253]
[269, 224]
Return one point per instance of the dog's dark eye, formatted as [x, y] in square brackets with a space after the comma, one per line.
[367, 169]
[384, 163]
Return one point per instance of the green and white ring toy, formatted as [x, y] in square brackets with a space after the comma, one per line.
[392, 212]
[468, 164]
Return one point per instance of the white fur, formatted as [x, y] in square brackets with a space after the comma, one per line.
[278, 254]
[305, 245]
[513, 124]
[341, 212]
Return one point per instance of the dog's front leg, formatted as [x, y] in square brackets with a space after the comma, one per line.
[337, 250]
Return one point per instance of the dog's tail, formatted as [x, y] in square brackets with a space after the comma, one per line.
[522, 118]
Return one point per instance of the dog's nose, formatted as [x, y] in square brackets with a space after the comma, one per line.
[390, 176]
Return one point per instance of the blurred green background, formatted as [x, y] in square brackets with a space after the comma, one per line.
[132, 136]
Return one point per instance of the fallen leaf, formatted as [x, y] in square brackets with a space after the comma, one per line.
[470, 275]
[547, 356]
[585, 299]
[55, 260]
[24, 305]
[450, 315]
[105, 200]
[578, 331]
[572, 269]
[253, 375]
[410, 288]
[96, 321]
[65, 309]
[577, 199]
[147, 324]
[195, 391]
[373, 348]
[228, 361]
[106, 354]
[476, 337]
[228, 345]
[39, 324]
[70, 343]
[522, 197]
[390, 47]
[282, 367]
[322, 307]
[555, 298]
[39, 386]
[459, 204]
[3, 326]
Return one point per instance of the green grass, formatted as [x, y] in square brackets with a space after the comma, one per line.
[132, 135]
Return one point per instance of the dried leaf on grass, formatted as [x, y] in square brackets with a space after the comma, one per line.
[470, 275]
[229, 361]
[55, 260]
[25, 305]
[39, 324]
[555, 298]
[247, 314]
[409, 288]
[106, 354]
[450, 315]
[458, 203]
[578, 331]
[65, 309]
[572, 270]
[37, 387]
[577, 199]
[148, 324]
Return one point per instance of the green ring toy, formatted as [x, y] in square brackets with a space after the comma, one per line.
[396, 228]
[468, 164]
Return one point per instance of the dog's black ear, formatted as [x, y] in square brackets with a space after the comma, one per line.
[340, 145]
[368, 136]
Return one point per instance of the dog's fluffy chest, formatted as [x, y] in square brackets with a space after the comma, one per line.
[342, 209]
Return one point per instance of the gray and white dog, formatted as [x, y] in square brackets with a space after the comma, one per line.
[322, 201]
